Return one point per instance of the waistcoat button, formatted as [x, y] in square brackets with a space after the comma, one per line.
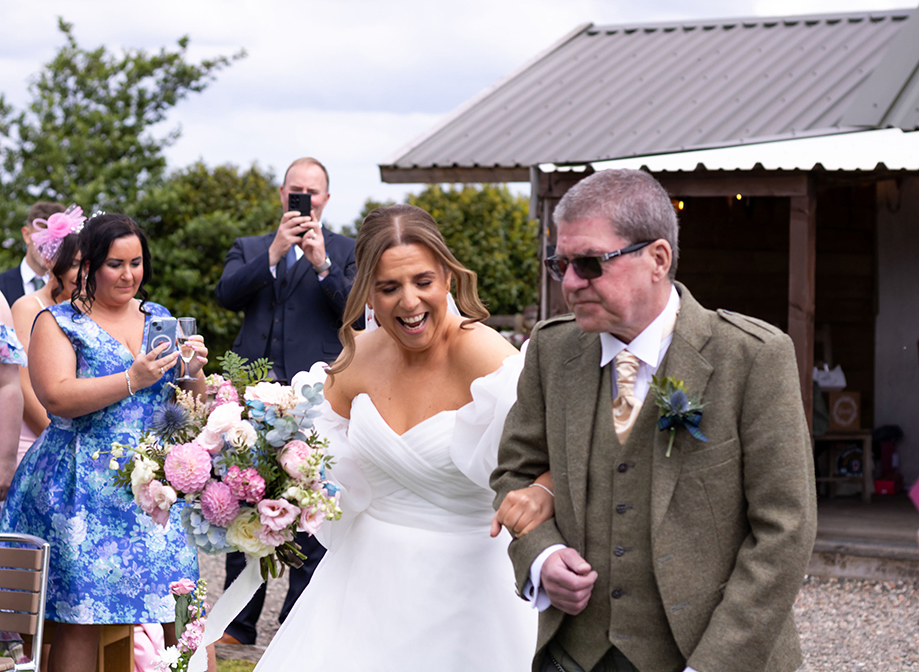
[617, 593]
[623, 467]
[621, 508]
[619, 551]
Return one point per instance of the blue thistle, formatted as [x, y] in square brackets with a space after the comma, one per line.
[168, 420]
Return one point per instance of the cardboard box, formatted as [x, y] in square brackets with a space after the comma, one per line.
[845, 411]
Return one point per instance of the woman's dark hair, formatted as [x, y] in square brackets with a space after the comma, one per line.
[96, 240]
[63, 262]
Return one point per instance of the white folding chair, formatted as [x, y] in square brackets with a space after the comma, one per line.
[23, 589]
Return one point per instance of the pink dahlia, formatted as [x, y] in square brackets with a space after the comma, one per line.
[218, 504]
[245, 483]
[187, 467]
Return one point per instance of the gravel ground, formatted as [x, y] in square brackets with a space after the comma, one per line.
[850, 625]
[213, 570]
[846, 625]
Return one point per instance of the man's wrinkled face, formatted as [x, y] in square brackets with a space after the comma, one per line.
[616, 302]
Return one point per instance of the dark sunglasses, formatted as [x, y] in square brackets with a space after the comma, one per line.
[587, 268]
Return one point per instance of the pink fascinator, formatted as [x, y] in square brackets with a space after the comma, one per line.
[56, 228]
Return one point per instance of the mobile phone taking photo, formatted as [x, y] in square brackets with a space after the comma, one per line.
[300, 202]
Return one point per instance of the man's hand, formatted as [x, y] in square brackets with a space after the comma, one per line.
[568, 580]
[296, 229]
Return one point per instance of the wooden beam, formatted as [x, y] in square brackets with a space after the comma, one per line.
[731, 183]
[802, 265]
[453, 175]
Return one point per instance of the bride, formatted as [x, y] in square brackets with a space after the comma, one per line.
[414, 410]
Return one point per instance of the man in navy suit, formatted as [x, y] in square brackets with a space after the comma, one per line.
[31, 274]
[293, 285]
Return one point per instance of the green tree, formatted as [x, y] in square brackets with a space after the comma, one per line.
[86, 137]
[488, 229]
[191, 220]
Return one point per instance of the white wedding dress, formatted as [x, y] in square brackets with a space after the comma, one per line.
[412, 580]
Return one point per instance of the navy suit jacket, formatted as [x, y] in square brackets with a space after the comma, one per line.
[312, 308]
[11, 284]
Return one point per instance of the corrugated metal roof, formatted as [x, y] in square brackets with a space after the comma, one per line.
[889, 149]
[607, 92]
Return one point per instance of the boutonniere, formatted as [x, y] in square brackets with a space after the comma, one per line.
[677, 409]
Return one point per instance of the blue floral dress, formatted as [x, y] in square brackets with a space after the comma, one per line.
[11, 351]
[110, 563]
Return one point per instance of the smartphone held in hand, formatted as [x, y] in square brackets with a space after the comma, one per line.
[162, 330]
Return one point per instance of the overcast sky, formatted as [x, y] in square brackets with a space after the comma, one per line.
[350, 82]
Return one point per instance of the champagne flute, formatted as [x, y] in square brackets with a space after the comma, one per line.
[187, 328]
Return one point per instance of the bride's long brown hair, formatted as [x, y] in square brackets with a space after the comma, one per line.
[389, 227]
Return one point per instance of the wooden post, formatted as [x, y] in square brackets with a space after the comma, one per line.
[802, 264]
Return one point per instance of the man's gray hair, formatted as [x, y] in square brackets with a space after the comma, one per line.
[634, 203]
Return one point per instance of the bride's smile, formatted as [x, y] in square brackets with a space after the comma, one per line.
[409, 296]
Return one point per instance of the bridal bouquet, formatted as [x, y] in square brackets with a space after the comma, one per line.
[247, 463]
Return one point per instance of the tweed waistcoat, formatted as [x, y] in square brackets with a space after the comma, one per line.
[625, 609]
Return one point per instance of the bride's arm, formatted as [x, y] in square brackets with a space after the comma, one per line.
[525, 509]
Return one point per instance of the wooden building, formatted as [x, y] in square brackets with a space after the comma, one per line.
[813, 243]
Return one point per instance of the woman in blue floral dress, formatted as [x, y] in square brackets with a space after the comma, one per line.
[11, 358]
[110, 563]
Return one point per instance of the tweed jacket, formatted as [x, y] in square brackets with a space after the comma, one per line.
[734, 517]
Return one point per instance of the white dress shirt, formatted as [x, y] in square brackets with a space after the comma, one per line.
[28, 275]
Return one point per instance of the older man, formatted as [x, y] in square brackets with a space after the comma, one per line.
[293, 285]
[659, 557]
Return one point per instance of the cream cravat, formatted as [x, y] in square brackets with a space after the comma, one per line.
[625, 406]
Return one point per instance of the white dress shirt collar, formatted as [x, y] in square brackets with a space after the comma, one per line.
[28, 274]
[647, 345]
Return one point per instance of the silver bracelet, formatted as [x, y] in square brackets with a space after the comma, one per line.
[540, 485]
[127, 377]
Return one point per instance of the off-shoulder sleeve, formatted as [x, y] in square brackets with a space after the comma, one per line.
[479, 423]
[346, 470]
[11, 350]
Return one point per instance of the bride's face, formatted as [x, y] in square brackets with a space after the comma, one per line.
[409, 296]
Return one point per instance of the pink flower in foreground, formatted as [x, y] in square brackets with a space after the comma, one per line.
[311, 519]
[212, 442]
[181, 587]
[226, 393]
[245, 483]
[274, 537]
[188, 467]
[223, 417]
[218, 505]
[155, 499]
[293, 456]
[191, 638]
[277, 514]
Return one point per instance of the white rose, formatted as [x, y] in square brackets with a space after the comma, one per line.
[268, 393]
[165, 497]
[144, 469]
[223, 417]
[212, 442]
[241, 435]
[243, 533]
